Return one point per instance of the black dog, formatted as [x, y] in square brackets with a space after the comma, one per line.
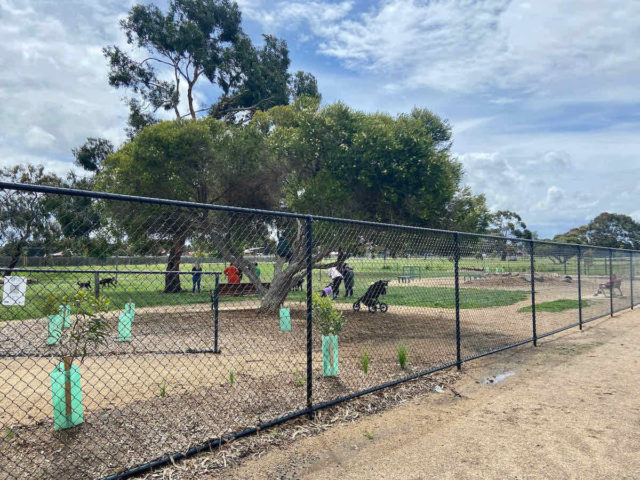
[297, 286]
[108, 282]
[84, 284]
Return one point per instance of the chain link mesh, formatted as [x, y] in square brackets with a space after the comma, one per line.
[189, 323]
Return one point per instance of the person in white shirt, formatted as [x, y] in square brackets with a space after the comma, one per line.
[336, 278]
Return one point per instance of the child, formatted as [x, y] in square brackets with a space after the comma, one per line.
[326, 291]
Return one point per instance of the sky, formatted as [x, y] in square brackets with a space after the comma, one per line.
[543, 97]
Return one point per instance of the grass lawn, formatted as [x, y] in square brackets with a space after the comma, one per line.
[439, 297]
[145, 290]
[556, 306]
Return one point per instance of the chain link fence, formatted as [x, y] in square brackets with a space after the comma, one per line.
[110, 368]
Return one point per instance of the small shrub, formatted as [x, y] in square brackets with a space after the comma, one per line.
[88, 326]
[364, 361]
[402, 355]
[8, 433]
[386, 267]
[232, 377]
[368, 434]
[300, 379]
[51, 305]
[325, 316]
[163, 389]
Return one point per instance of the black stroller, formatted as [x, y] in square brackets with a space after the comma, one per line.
[370, 298]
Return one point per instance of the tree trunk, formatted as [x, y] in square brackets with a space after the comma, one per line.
[282, 282]
[192, 110]
[172, 280]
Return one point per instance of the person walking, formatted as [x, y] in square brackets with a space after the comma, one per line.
[257, 269]
[349, 280]
[196, 276]
[336, 280]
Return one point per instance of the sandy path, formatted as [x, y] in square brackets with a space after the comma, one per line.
[570, 411]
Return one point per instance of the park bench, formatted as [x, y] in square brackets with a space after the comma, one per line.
[605, 288]
[472, 276]
[404, 278]
[237, 290]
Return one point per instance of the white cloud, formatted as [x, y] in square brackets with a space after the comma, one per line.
[37, 138]
[556, 159]
[469, 124]
[322, 16]
[54, 91]
[555, 195]
[493, 46]
[556, 189]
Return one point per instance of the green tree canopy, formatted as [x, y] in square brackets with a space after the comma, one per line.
[26, 218]
[575, 235]
[194, 40]
[171, 53]
[506, 223]
[365, 166]
[467, 212]
[92, 154]
[204, 161]
[606, 230]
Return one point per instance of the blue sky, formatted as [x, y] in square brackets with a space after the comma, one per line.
[543, 96]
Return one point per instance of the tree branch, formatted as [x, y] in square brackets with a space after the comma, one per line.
[156, 60]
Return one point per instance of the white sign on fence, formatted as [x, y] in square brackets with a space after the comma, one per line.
[14, 291]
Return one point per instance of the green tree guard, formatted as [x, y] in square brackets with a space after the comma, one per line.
[55, 328]
[130, 309]
[65, 313]
[124, 327]
[329, 355]
[285, 319]
[66, 396]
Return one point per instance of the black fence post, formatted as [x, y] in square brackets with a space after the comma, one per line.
[579, 288]
[533, 294]
[456, 262]
[96, 286]
[309, 244]
[611, 281]
[216, 293]
[631, 276]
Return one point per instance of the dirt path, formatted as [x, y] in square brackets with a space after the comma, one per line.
[570, 410]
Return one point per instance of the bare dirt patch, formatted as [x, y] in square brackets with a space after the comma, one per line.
[165, 391]
[569, 411]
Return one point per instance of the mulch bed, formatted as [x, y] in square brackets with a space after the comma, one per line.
[128, 419]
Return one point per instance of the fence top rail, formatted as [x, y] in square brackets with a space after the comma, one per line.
[112, 272]
[206, 206]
